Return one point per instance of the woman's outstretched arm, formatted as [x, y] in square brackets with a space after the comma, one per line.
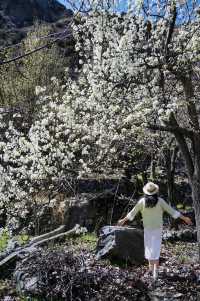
[131, 215]
[175, 213]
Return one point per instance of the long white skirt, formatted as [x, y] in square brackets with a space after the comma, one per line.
[152, 243]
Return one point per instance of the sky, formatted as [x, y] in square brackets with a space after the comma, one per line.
[121, 6]
[61, 1]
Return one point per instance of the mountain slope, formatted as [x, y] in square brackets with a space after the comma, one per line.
[17, 16]
[21, 13]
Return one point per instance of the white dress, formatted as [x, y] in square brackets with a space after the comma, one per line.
[152, 243]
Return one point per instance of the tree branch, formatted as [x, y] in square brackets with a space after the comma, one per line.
[171, 29]
[183, 146]
[32, 51]
[173, 158]
[180, 134]
[189, 95]
[38, 241]
[171, 129]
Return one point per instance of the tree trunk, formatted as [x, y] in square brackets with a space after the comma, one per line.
[153, 169]
[170, 188]
[170, 156]
[170, 176]
[192, 162]
[195, 185]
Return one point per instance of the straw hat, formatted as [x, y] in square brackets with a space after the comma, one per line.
[150, 188]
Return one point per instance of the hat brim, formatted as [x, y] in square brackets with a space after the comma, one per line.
[152, 192]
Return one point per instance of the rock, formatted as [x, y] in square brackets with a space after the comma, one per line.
[95, 185]
[94, 210]
[187, 235]
[24, 282]
[103, 202]
[121, 243]
[91, 210]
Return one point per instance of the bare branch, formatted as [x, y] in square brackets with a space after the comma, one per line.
[172, 129]
[31, 52]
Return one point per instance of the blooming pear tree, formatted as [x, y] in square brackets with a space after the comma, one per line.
[138, 78]
[75, 133]
[147, 61]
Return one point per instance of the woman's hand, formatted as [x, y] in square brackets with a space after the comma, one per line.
[186, 219]
[122, 221]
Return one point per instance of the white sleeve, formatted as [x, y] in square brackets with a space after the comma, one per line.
[166, 207]
[138, 207]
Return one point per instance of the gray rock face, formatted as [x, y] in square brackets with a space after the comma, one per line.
[121, 243]
[21, 13]
[18, 16]
[94, 210]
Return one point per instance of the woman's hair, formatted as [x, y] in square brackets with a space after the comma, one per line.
[151, 200]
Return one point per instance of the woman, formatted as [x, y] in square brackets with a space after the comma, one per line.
[152, 207]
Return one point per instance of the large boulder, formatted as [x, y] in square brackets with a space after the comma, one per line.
[121, 243]
[94, 210]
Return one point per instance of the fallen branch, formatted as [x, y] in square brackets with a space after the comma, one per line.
[77, 230]
[47, 235]
[38, 241]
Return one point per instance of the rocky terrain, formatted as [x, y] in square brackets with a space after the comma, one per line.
[70, 271]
